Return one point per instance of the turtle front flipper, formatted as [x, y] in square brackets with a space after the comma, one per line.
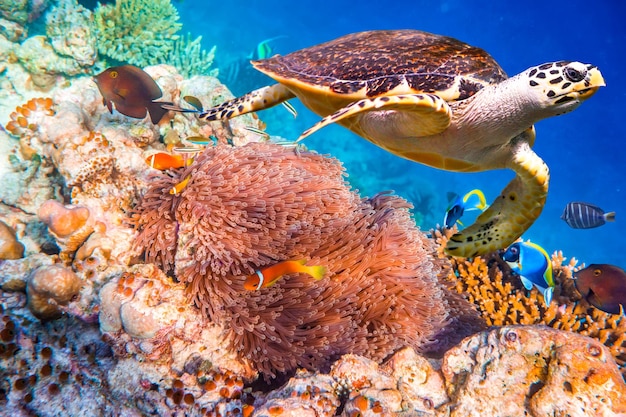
[260, 99]
[512, 213]
[435, 111]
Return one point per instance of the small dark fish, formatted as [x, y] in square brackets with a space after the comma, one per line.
[132, 91]
[603, 286]
[585, 216]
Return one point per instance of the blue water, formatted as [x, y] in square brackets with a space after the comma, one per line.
[583, 149]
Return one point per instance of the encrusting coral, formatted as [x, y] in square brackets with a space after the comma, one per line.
[256, 205]
[50, 287]
[501, 299]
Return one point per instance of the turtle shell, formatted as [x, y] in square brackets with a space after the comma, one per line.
[375, 63]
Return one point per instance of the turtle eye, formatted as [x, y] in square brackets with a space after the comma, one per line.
[596, 272]
[573, 75]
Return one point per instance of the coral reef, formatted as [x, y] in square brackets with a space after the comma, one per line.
[71, 34]
[513, 370]
[87, 328]
[252, 206]
[139, 32]
[15, 14]
[68, 49]
[502, 300]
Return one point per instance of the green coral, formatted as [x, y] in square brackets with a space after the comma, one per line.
[139, 32]
[189, 58]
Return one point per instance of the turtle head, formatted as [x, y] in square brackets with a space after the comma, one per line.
[560, 87]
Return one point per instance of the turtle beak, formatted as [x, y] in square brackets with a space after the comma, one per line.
[593, 82]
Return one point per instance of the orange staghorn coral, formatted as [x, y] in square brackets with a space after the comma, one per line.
[489, 283]
[247, 207]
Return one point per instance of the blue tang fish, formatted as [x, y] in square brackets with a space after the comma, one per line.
[459, 204]
[533, 265]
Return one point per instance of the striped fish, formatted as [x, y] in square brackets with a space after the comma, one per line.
[581, 215]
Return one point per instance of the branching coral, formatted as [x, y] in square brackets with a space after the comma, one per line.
[189, 58]
[139, 32]
[502, 300]
[247, 207]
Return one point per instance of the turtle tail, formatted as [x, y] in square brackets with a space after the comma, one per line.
[512, 213]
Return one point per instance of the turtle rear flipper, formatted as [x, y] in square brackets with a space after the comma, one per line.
[434, 112]
[260, 99]
[512, 213]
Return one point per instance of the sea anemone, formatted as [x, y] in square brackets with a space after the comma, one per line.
[247, 207]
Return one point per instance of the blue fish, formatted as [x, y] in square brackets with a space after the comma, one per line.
[532, 263]
[458, 206]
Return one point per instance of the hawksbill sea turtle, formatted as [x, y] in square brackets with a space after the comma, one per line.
[434, 100]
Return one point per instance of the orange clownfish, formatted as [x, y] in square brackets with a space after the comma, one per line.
[266, 277]
[164, 160]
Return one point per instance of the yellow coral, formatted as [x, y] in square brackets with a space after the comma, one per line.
[488, 282]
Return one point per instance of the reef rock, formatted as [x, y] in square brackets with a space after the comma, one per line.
[507, 371]
[532, 370]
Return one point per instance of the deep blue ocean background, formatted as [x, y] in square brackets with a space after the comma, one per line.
[584, 149]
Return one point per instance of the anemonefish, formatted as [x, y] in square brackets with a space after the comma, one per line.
[532, 263]
[458, 206]
[266, 277]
